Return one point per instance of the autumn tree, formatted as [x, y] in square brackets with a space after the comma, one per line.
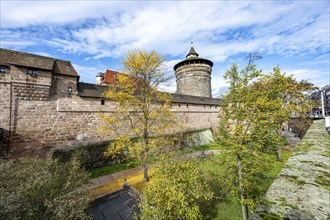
[242, 129]
[285, 98]
[142, 111]
[35, 188]
[177, 191]
[254, 109]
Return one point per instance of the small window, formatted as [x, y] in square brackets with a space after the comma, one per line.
[2, 69]
[32, 72]
[114, 75]
[117, 81]
[102, 101]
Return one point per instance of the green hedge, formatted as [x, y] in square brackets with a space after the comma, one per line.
[91, 156]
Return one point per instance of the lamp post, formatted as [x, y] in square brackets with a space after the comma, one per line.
[322, 102]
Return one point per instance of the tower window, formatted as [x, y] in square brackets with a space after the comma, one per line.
[32, 72]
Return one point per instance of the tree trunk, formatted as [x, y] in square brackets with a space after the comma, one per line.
[279, 148]
[243, 197]
[279, 153]
[145, 173]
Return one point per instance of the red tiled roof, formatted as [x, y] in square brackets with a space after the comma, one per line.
[110, 76]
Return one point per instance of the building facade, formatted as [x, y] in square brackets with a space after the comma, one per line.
[44, 107]
[109, 77]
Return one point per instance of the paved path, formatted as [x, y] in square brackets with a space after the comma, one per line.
[291, 138]
[117, 179]
[114, 177]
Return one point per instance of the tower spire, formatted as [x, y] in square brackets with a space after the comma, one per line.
[192, 53]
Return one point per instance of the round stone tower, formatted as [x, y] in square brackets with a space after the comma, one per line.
[193, 75]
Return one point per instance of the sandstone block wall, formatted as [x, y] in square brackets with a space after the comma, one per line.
[40, 115]
[5, 89]
[42, 126]
[39, 127]
[18, 74]
[23, 91]
[302, 190]
[5, 97]
[60, 85]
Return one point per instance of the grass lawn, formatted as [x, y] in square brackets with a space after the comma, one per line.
[225, 208]
[134, 179]
[228, 208]
[101, 171]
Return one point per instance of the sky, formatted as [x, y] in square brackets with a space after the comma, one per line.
[96, 35]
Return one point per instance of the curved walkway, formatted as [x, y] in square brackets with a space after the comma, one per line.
[114, 181]
[292, 138]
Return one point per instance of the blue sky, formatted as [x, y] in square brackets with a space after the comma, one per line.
[95, 35]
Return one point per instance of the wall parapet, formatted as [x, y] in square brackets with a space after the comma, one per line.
[302, 189]
[89, 104]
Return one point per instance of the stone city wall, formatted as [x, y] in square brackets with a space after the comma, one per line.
[40, 115]
[18, 74]
[5, 89]
[302, 189]
[5, 98]
[15, 87]
[60, 85]
[40, 126]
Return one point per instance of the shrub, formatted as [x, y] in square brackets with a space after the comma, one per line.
[36, 188]
[177, 191]
[91, 156]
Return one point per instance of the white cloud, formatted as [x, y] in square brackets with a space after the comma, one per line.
[168, 87]
[318, 77]
[41, 53]
[219, 29]
[115, 27]
[170, 64]
[27, 13]
[15, 44]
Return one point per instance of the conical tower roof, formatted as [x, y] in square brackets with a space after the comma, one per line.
[192, 57]
[192, 53]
